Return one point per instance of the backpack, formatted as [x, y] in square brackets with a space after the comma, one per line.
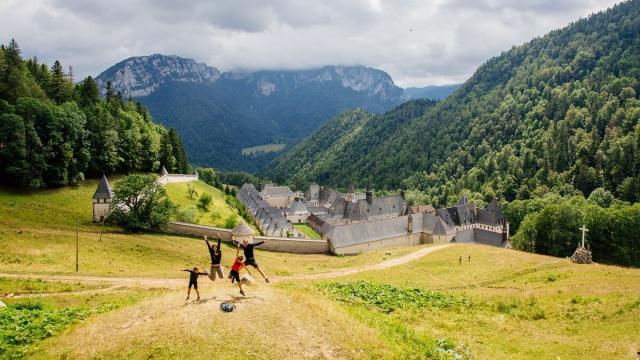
[227, 307]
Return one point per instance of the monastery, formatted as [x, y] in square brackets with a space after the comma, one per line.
[354, 222]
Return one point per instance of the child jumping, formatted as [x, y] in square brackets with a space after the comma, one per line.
[248, 254]
[234, 274]
[215, 252]
[193, 281]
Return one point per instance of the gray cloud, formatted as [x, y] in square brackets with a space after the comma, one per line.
[417, 42]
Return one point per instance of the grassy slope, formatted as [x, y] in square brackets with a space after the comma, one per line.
[178, 194]
[307, 231]
[37, 235]
[524, 305]
[267, 148]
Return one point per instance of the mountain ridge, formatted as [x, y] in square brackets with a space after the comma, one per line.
[219, 114]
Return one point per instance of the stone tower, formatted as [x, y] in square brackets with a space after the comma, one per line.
[351, 193]
[102, 199]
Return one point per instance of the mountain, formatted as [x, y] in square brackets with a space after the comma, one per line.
[559, 113]
[338, 146]
[220, 116]
[434, 92]
[140, 76]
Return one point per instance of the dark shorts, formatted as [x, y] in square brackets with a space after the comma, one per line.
[252, 262]
[194, 284]
[234, 275]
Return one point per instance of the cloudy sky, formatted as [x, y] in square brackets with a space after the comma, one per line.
[417, 42]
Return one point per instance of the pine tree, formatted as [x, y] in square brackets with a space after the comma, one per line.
[59, 89]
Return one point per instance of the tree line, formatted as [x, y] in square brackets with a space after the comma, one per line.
[54, 132]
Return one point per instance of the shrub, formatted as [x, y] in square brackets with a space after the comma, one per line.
[204, 201]
[231, 222]
[189, 215]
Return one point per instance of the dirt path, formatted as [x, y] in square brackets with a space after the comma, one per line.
[178, 283]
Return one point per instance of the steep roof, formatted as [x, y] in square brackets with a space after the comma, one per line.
[164, 171]
[298, 208]
[242, 229]
[366, 231]
[103, 191]
[276, 191]
[351, 189]
[379, 207]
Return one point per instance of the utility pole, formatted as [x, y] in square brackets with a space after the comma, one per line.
[77, 241]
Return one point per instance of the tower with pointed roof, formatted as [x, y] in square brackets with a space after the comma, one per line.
[102, 200]
[351, 193]
[241, 232]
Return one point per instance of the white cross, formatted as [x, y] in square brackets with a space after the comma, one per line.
[584, 232]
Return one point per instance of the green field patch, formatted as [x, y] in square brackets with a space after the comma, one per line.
[389, 298]
[38, 286]
[262, 149]
[307, 231]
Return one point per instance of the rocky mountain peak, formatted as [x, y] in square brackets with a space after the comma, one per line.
[141, 75]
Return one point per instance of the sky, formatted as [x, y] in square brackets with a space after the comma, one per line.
[419, 43]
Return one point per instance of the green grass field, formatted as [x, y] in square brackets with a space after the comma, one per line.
[38, 234]
[496, 304]
[218, 211]
[262, 149]
[307, 231]
[520, 305]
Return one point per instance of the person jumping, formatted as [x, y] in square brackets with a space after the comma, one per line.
[248, 254]
[215, 252]
[193, 281]
[234, 274]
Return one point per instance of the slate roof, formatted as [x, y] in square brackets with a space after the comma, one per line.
[164, 171]
[276, 191]
[242, 229]
[491, 215]
[103, 191]
[298, 207]
[367, 231]
[379, 207]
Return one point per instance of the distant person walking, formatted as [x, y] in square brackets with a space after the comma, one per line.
[249, 256]
[215, 252]
[234, 274]
[193, 281]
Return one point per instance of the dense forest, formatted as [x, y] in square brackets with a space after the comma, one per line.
[558, 114]
[54, 132]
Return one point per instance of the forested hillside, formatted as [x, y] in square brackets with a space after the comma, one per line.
[559, 114]
[54, 132]
[340, 146]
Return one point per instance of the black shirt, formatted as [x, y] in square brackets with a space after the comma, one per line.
[193, 275]
[248, 250]
[216, 257]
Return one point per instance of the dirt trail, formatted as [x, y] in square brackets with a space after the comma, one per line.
[178, 283]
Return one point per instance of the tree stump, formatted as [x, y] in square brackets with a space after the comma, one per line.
[582, 256]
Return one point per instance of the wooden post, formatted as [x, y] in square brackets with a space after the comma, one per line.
[77, 241]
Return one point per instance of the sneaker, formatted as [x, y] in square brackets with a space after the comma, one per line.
[267, 280]
[242, 292]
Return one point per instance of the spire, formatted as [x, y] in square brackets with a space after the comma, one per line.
[164, 171]
[195, 172]
[103, 191]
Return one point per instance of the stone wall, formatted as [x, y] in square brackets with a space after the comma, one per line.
[199, 230]
[293, 245]
[176, 178]
[405, 240]
[485, 237]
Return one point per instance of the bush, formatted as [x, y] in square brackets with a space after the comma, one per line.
[189, 215]
[204, 201]
[141, 204]
[231, 222]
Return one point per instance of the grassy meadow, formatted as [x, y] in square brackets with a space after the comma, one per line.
[497, 304]
[460, 302]
[219, 211]
[262, 149]
[307, 231]
[38, 234]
